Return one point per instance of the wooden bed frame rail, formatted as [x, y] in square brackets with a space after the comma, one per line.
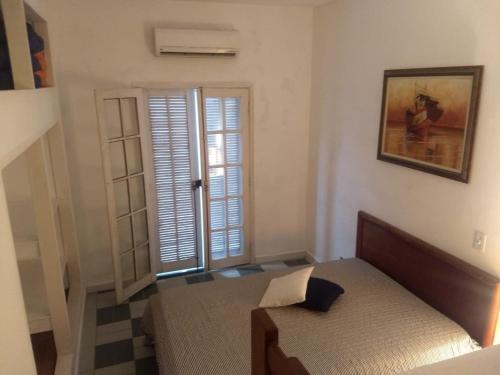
[465, 294]
[267, 356]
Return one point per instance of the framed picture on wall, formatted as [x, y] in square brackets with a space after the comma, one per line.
[428, 119]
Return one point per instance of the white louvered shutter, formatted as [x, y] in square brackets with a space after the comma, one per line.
[227, 163]
[169, 118]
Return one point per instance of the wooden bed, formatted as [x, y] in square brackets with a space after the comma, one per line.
[462, 292]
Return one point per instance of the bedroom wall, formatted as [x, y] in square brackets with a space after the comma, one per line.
[354, 41]
[20, 202]
[109, 44]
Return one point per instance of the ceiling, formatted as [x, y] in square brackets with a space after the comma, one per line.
[269, 2]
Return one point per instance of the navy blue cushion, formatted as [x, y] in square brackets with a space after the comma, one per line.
[6, 82]
[5, 60]
[38, 81]
[320, 294]
[35, 41]
[4, 57]
[3, 37]
[35, 64]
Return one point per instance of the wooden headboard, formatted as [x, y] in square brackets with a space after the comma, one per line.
[464, 293]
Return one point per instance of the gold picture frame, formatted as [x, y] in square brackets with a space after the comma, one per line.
[428, 119]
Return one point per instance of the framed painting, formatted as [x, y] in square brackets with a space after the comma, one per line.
[428, 119]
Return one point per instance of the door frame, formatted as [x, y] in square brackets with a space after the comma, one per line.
[198, 85]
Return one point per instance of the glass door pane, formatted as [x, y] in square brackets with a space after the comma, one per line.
[227, 149]
[122, 140]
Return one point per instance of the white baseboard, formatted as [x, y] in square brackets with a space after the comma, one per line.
[281, 257]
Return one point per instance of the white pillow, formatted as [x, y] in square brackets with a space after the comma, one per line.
[287, 290]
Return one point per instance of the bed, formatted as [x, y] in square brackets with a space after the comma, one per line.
[381, 325]
[484, 362]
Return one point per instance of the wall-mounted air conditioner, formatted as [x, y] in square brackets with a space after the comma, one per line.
[196, 42]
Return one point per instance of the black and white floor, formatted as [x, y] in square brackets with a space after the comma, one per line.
[113, 342]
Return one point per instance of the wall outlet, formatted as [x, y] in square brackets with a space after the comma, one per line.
[479, 241]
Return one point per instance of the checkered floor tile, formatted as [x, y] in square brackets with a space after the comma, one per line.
[113, 341]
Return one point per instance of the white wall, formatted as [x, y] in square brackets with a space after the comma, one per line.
[354, 41]
[20, 202]
[108, 44]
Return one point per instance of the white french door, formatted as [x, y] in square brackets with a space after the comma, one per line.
[176, 165]
[227, 156]
[200, 148]
[124, 140]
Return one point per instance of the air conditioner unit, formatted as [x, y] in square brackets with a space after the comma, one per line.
[196, 42]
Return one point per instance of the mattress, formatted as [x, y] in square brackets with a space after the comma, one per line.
[376, 327]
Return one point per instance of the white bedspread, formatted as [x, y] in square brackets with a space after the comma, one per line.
[376, 327]
[481, 362]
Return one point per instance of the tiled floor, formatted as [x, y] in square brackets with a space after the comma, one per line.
[113, 342]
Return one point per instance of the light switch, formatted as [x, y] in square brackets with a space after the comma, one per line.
[479, 241]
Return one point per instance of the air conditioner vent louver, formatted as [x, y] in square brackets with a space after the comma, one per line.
[196, 42]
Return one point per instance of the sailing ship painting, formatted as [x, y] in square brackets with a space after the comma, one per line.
[428, 119]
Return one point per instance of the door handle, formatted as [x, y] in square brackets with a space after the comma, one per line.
[196, 184]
